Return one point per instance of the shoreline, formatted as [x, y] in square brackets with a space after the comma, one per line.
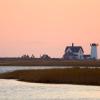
[50, 62]
[77, 76]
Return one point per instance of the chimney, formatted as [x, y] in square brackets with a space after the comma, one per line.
[72, 44]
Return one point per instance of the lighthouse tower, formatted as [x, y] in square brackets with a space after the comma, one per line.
[93, 50]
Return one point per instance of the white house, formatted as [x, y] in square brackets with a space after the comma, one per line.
[74, 52]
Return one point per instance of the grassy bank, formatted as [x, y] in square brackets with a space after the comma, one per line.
[84, 76]
[51, 62]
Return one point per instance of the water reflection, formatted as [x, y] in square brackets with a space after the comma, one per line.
[15, 90]
[4, 69]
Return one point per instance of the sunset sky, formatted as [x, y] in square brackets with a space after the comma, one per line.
[47, 26]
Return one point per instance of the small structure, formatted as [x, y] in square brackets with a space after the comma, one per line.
[86, 57]
[45, 57]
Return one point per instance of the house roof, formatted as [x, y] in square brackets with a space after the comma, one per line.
[87, 55]
[94, 44]
[74, 48]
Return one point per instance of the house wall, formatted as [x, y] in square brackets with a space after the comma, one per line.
[80, 55]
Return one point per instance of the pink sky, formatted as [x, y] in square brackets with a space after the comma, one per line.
[47, 26]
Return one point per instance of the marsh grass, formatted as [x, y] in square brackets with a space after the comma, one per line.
[52, 62]
[84, 76]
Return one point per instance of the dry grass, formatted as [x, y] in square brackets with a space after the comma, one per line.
[39, 62]
[70, 76]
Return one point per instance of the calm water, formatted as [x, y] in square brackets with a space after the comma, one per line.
[4, 69]
[15, 90]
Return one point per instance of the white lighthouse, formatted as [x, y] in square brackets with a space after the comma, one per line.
[93, 50]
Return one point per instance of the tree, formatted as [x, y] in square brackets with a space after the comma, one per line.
[25, 56]
[32, 56]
